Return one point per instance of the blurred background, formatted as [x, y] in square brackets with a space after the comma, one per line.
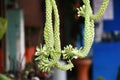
[24, 32]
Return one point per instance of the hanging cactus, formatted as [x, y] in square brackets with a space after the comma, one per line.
[50, 53]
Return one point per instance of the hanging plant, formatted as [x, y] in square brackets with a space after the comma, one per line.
[50, 53]
[3, 27]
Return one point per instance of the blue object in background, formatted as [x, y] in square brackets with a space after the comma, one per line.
[112, 25]
[13, 38]
[106, 60]
[80, 39]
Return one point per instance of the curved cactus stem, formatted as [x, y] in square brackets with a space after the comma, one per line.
[61, 66]
[101, 10]
[87, 30]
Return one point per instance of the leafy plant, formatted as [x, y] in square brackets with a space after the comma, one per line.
[3, 27]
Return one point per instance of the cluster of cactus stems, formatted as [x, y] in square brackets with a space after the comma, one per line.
[50, 53]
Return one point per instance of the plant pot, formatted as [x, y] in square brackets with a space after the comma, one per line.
[83, 66]
[29, 52]
[1, 60]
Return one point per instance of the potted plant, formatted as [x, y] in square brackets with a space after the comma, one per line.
[50, 54]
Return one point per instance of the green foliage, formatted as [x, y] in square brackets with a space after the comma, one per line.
[100, 78]
[4, 77]
[3, 27]
[50, 54]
